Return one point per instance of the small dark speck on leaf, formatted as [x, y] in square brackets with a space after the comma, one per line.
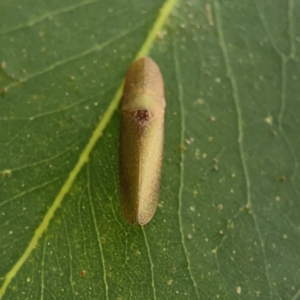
[248, 210]
[282, 179]
[3, 91]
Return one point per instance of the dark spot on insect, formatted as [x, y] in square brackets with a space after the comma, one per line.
[142, 116]
[82, 273]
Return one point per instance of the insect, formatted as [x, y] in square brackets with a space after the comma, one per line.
[141, 143]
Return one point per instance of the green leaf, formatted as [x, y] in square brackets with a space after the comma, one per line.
[228, 221]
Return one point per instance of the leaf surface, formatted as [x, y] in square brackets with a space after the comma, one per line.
[227, 224]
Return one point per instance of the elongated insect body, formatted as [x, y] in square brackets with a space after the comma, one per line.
[141, 144]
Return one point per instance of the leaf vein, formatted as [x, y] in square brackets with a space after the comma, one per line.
[33, 189]
[151, 263]
[264, 24]
[240, 136]
[70, 258]
[296, 296]
[182, 133]
[48, 159]
[284, 61]
[43, 270]
[95, 48]
[97, 232]
[291, 8]
[48, 15]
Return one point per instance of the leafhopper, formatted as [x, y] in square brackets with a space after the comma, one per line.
[141, 143]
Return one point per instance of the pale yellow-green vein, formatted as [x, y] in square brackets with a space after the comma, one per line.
[157, 26]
